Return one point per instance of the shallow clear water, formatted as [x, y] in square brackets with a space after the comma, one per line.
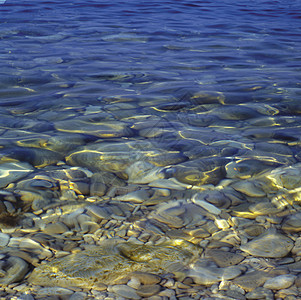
[165, 48]
[199, 91]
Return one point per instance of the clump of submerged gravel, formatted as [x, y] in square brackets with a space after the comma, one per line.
[184, 211]
[140, 241]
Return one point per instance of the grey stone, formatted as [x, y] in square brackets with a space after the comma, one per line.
[78, 296]
[209, 275]
[270, 244]
[280, 282]
[10, 172]
[124, 291]
[251, 280]
[223, 258]
[4, 239]
[15, 271]
[56, 228]
[260, 293]
[54, 291]
[148, 290]
[145, 278]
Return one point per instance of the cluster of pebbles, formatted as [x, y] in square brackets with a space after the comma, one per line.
[152, 202]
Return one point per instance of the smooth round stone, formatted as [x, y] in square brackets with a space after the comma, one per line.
[298, 281]
[199, 233]
[148, 290]
[124, 291]
[136, 196]
[189, 175]
[280, 282]
[287, 177]
[295, 267]
[100, 161]
[26, 297]
[292, 223]
[270, 244]
[211, 275]
[69, 173]
[78, 296]
[56, 228]
[207, 97]
[37, 185]
[223, 258]
[172, 106]
[16, 270]
[167, 184]
[142, 172]
[54, 291]
[107, 178]
[260, 293]
[246, 168]
[146, 278]
[133, 283]
[64, 143]
[218, 199]
[202, 151]
[154, 132]
[36, 157]
[171, 221]
[235, 295]
[161, 159]
[254, 230]
[248, 188]
[197, 199]
[4, 239]
[263, 208]
[274, 148]
[97, 189]
[237, 112]
[252, 280]
[10, 172]
[100, 128]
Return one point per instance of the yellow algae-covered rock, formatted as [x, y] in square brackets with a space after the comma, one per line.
[114, 260]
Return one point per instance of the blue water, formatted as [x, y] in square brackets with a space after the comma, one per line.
[130, 47]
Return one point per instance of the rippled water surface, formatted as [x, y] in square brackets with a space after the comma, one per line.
[147, 122]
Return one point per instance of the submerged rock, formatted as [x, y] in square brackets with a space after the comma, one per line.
[12, 171]
[208, 275]
[280, 282]
[36, 157]
[100, 125]
[112, 261]
[270, 244]
[246, 168]
[12, 270]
